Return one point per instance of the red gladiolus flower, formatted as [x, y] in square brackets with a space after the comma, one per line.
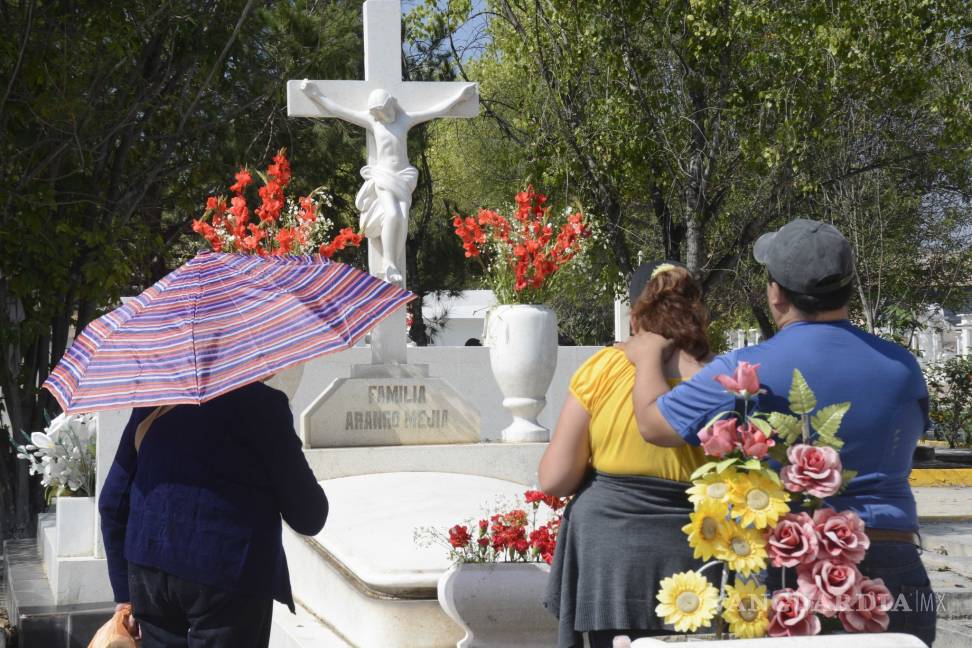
[216, 205]
[280, 169]
[243, 178]
[308, 210]
[285, 238]
[346, 237]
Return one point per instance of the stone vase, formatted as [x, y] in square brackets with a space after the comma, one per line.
[499, 604]
[522, 341]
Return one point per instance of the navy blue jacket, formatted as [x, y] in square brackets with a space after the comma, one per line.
[203, 497]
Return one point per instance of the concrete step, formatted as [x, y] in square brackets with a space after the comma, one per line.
[301, 630]
[955, 591]
[39, 622]
[953, 633]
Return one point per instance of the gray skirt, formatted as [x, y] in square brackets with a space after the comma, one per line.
[620, 536]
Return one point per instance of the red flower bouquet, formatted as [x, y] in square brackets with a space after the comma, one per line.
[516, 535]
[524, 252]
[282, 226]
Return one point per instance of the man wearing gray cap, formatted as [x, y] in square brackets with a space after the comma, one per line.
[811, 270]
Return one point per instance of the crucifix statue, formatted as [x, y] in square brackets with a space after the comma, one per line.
[386, 107]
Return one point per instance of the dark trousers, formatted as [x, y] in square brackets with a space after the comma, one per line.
[899, 565]
[175, 613]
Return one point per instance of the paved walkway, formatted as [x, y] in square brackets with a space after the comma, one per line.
[945, 514]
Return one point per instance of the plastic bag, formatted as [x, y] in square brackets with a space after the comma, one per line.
[114, 634]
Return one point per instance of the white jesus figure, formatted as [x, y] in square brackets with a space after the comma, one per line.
[385, 197]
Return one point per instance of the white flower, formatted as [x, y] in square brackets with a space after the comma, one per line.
[42, 441]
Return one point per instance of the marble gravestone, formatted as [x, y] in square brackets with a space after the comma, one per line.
[381, 405]
[387, 402]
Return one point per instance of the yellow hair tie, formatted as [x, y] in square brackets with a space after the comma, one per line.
[665, 267]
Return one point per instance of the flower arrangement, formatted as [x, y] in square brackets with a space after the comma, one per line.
[283, 226]
[742, 520]
[515, 535]
[525, 251]
[64, 455]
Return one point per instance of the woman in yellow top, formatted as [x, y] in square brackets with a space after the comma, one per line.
[621, 534]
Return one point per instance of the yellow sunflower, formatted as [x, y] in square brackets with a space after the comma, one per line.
[756, 499]
[714, 486]
[703, 531]
[687, 601]
[743, 548]
[746, 609]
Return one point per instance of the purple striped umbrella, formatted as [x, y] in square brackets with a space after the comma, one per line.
[219, 322]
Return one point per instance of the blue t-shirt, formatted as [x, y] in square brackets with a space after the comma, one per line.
[882, 381]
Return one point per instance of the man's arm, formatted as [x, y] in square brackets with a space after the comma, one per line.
[647, 351]
[438, 110]
[359, 118]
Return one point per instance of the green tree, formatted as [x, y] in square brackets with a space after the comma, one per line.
[117, 120]
[688, 128]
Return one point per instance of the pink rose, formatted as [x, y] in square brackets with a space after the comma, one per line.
[869, 611]
[791, 615]
[830, 584]
[841, 535]
[719, 439]
[793, 541]
[754, 443]
[812, 469]
[744, 383]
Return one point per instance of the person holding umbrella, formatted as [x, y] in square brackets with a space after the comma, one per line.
[209, 462]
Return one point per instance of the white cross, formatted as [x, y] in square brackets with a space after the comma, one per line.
[383, 210]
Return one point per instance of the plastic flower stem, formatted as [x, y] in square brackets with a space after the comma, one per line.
[707, 565]
[720, 622]
[782, 577]
[806, 427]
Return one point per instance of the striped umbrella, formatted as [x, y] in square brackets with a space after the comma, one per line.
[219, 322]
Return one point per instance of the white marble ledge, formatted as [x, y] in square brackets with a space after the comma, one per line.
[372, 521]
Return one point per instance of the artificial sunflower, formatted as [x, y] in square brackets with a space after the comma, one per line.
[704, 530]
[744, 549]
[687, 601]
[746, 609]
[714, 486]
[758, 500]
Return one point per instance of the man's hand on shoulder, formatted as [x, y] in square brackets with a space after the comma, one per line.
[647, 347]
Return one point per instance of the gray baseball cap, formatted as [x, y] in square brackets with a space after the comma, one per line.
[807, 256]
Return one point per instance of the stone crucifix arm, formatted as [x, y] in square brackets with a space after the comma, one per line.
[357, 117]
[439, 110]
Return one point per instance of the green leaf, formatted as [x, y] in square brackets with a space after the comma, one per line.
[753, 464]
[802, 400]
[721, 467]
[772, 474]
[827, 421]
[763, 426]
[703, 470]
[787, 427]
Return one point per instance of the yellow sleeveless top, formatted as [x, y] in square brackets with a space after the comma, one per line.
[603, 386]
